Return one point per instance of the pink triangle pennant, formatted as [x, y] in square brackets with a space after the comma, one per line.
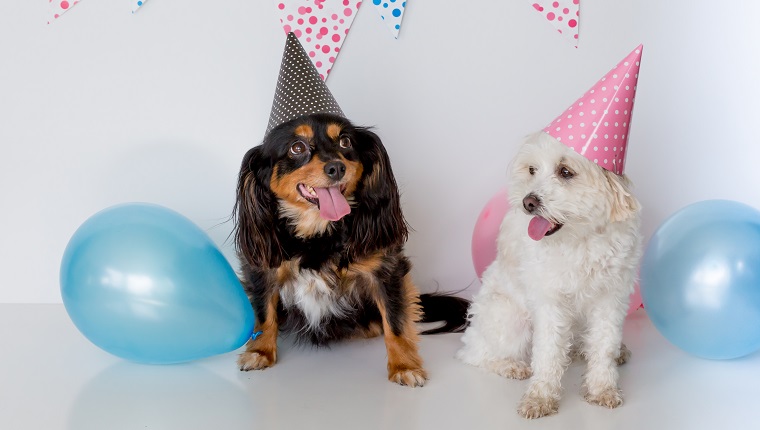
[320, 25]
[59, 7]
[564, 15]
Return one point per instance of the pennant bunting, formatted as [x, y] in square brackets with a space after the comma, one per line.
[136, 4]
[392, 12]
[564, 15]
[59, 7]
[320, 25]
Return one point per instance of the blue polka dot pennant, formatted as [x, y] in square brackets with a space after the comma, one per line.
[136, 4]
[391, 12]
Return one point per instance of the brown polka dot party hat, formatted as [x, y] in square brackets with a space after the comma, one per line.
[300, 90]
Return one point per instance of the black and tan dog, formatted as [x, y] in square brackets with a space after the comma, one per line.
[320, 236]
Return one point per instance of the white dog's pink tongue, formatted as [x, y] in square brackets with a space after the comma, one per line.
[538, 228]
[332, 205]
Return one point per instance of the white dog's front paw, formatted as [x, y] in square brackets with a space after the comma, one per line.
[609, 398]
[624, 356]
[536, 407]
[509, 368]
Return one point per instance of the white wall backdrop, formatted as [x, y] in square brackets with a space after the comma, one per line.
[104, 107]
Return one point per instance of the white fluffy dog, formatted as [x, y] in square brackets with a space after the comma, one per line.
[568, 255]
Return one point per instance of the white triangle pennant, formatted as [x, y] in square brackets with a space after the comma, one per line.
[564, 15]
[59, 7]
[391, 12]
[320, 25]
[137, 4]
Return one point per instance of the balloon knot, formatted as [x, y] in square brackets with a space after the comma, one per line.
[256, 334]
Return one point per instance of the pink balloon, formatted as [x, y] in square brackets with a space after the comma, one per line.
[636, 301]
[487, 230]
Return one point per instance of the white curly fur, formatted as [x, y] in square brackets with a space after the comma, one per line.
[543, 301]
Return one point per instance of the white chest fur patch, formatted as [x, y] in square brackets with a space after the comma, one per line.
[310, 293]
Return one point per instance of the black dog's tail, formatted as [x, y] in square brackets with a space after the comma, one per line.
[444, 307]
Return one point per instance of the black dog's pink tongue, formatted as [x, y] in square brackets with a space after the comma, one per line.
[538, 228]
[332, 205]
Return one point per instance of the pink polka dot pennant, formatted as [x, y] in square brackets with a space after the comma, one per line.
[564, 15]
[320, 25]
[597, 124]
[59, 7]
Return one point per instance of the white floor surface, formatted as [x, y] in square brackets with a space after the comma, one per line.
[51, 377]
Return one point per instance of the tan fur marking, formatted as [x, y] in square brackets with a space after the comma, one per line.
[369, 264]
[285, 187]
[374, 330]
[354, 170]
[307, 222]
[373, 179]
[261, 352]
[333, 131]
[247, 182]
[305, 131]
[404, 361]
[287, 271]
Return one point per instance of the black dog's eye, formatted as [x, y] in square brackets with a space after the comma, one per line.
[532, 170]
[345, 142]
[565, 172]
[298, 148]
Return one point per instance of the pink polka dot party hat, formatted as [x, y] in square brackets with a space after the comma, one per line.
[597, 124]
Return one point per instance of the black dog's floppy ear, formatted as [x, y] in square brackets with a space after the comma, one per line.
[255, 212]
[378, 220]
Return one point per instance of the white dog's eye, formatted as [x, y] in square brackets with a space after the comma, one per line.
[532, 170]
[565, 172]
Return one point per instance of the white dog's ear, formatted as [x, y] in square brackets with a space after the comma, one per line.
[623, 205]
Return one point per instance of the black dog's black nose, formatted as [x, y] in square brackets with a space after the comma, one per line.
[531, 203]
[335, 170]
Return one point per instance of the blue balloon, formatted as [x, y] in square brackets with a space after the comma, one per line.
[146, 284]
[700, 279]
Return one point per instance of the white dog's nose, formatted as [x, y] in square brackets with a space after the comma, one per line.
[531, 202]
